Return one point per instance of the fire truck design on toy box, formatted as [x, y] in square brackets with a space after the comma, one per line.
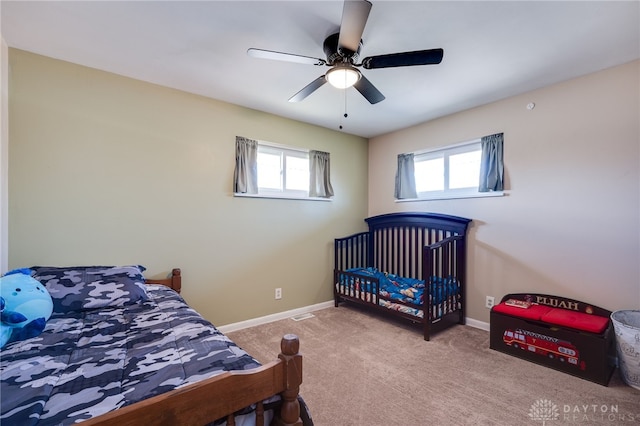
[550, 347]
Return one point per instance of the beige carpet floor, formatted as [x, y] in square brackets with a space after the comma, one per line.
[362, 369]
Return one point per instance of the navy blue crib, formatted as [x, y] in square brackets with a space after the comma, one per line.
[409, 265]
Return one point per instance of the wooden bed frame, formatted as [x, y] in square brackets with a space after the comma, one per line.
[222, 395]
[414, 245]
[174, 280]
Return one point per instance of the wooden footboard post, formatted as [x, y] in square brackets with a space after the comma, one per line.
[290, 409]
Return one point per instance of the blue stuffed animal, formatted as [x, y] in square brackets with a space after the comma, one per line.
[25, 306]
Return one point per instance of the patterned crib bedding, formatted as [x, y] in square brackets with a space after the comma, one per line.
[399, 293]
[88, 363]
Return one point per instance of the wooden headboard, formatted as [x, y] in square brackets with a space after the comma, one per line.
[174, 280]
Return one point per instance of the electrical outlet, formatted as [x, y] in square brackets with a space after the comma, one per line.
[278, 293]
[489, 302]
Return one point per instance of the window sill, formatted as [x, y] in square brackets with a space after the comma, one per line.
[280, 197]
[454, 196]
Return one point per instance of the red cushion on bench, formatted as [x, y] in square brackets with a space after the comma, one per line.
[534, 312]
[577, 320]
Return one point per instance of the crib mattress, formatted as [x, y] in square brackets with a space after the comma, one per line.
[398, 293]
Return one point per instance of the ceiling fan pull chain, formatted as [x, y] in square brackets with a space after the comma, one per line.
[345, 103]
[344, 92]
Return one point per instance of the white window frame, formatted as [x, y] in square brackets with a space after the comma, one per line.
[283, 193]
[449, 193]
[284, 153]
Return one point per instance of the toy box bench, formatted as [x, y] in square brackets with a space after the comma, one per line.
[564, 334]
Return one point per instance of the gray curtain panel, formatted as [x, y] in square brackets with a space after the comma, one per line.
[405, 177]
[491, 164]
[245, 176]
[320, 175]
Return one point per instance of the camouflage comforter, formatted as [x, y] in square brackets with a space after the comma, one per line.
[88, 363]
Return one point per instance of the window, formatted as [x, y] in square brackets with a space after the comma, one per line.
[282, 171]
[466, 170]
[274, 171]
[449, 172]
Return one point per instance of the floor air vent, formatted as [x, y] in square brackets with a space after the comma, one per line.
[302, 316]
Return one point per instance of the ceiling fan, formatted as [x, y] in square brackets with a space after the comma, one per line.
[343, 51]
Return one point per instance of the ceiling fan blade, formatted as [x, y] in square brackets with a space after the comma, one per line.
[368, 90]
[354, 17]
[406, 59]
[308, 89]
[287, 57]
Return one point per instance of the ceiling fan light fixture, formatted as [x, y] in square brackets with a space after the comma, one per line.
[343, 76]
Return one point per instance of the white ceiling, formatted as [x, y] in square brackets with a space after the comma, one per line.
[492, 50]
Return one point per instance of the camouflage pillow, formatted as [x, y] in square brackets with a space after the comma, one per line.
[81, 288]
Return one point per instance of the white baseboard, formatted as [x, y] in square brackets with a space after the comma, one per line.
[306, 309]
[477, 324]
[274, 317]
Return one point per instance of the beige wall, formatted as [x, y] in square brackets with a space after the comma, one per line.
[109, 170]
[4, 155]
[105, 169]
[570, 222]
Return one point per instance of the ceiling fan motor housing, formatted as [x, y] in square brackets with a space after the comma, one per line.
[335, 55]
